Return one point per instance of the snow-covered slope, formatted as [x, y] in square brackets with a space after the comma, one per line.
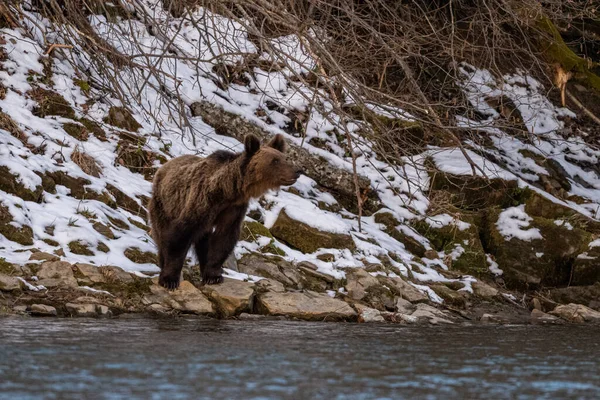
[96, 215]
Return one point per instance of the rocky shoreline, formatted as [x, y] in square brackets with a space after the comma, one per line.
[50, 287]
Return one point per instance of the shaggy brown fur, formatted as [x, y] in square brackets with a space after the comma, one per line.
[202, 202]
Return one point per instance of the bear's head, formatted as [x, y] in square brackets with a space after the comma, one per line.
[268, 167]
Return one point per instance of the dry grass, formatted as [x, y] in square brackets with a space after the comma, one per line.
[86, 162]
[8, 124]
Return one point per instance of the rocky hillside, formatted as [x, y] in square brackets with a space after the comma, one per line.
[493, 228]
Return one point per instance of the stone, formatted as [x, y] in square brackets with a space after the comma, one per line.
[403, 289]
[269, 285]
[56, 273]
[82, 310]
[367, 314]
[42, 310]
[231, 263]
[275, 268]
[307, 305]
[531, 265]
[576, 313]
[404, 306]
[88, 274]
[187, 299]
[231, 297]
[115, 274]
[362, 286]
[471, 258]
[537, 304]
[484, 290]
[9, 283]
[103, 311]
[41, 256]
[20, 309]
[451, 297]
[306, 238]
[430, 314]
[586, 295]
[538, 316]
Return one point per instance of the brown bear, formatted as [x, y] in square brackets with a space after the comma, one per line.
[203, 201]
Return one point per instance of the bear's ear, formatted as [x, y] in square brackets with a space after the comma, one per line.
[278, 143]
[251, 144]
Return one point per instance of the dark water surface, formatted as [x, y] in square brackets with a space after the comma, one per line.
[208, 359]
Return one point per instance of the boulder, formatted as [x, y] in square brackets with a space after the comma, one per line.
[586, 295]
[427, 313]
[576, 313]
[9, 283]
[56, 273]
[484, 290]
[403, 289]
[42, 310]
[269, 285]
[541, 317]
[367, 314]
[187, 299]
[470, 256]
[231, 297]
[362, 286]
[41, 256]
[306, 238]
[272, 267]
[307, 305]
[87, 310]
[451, 297]
[88, 274]
[534, 263]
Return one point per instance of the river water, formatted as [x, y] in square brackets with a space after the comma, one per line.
[211, 359]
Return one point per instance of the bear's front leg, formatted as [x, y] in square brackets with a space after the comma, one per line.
[221, 243]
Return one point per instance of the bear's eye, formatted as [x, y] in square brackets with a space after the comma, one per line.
[275, 161]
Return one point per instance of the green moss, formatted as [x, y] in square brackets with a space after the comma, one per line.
[79, 247]
[122, 118]
[51, 104]
[83, 85]
[556, 51]
[140, 257]
[22, 235]
[252, 230]
[540, 262]
[271, 248]
[473, 260]
[77, 131]
[7, 268]
[307, 238]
